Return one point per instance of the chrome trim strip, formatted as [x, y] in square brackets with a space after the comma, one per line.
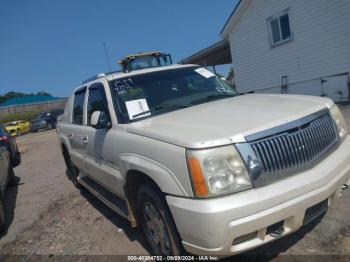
[285, 127]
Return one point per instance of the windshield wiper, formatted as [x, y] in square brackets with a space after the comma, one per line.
[141, 114]
[160, 108]
[212, 98]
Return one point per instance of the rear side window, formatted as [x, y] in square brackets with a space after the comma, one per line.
[78, 107]
[97, 101]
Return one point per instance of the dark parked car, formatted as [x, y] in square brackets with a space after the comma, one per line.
[7, 177]
[9, 142]
[45, 120]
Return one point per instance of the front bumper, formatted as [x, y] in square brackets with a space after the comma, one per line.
[210, 226]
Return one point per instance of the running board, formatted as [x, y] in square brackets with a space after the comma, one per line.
[112, 201]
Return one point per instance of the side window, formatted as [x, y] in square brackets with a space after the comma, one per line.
[280, 29]
[78, 107]
[97, 101]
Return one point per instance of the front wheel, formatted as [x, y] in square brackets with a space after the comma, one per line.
[157, 223]
[18, 133]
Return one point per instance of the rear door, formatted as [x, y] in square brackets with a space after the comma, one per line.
[75, 131]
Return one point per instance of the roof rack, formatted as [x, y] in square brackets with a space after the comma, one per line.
[100, 75]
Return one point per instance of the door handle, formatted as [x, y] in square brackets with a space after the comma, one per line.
[71, 135]
[85, 139]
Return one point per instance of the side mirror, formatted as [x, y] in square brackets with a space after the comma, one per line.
[99, 120]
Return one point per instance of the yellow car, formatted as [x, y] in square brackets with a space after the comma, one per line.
[17, 128]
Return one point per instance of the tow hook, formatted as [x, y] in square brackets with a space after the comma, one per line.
[277, 232]
[344, 187]
[276, 229]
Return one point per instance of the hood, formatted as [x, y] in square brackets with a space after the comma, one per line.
[228, 120]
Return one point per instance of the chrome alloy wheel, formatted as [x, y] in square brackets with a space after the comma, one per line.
[155, 229]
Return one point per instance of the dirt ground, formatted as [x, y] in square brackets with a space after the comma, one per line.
[49, 216]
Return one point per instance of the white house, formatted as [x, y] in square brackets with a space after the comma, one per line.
[291, 46]
[286, 46]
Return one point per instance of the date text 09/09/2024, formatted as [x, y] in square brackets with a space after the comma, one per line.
[172, 258]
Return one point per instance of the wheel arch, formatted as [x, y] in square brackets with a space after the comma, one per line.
[165, 180]
[138, 171]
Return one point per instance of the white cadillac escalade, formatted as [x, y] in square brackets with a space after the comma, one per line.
[198, 166]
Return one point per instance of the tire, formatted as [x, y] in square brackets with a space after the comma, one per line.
[16, 160]
[12, 178]
[49, 126]
[18, 133]
[3, 224]
[71, 171]
[157, 223]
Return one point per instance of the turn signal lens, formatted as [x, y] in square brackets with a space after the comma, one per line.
[339, 121]
[198, 179]
[4, 138]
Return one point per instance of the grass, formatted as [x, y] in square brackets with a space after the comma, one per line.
[27, 116]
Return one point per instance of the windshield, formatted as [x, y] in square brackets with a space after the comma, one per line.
[145, 95]
[12, 124]
[143, 62]
[147, 62]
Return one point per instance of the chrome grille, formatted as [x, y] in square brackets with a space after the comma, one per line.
[297, 147]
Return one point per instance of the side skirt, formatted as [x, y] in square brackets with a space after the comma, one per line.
[115, 203]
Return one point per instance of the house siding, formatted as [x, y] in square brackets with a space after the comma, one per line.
[320, 48]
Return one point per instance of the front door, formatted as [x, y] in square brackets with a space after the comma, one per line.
[100, 148]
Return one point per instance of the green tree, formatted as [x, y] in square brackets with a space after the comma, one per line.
[231, 76]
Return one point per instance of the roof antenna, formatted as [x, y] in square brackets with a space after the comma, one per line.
[107, 57]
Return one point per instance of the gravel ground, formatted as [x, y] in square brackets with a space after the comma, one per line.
[49, 216]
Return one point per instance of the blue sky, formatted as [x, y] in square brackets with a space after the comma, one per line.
[52, 46]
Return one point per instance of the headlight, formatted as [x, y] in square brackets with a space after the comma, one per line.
[340, 122]
[217, 171]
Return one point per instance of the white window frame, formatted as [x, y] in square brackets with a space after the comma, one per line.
[277, 16]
